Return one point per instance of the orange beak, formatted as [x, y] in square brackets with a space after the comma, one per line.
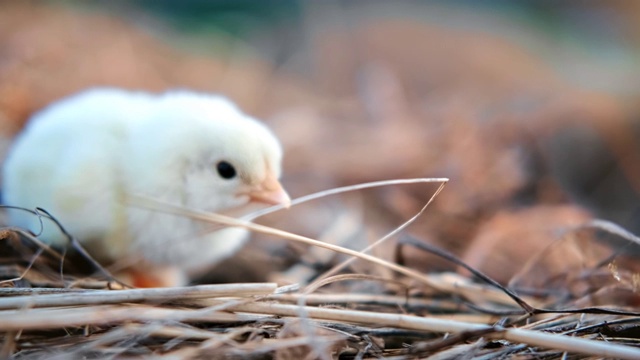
[271, 192]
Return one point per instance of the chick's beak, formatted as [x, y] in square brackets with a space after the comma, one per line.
[271, 192]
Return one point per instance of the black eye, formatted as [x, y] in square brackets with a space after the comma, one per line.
[226, 170]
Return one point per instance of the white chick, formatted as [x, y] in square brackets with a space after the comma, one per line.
[82, 156]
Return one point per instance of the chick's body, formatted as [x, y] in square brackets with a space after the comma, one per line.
[85, 159]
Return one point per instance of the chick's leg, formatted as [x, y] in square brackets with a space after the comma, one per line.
[153, 276]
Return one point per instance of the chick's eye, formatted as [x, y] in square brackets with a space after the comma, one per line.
[226, 170]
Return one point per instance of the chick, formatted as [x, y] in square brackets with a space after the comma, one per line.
[83, 156]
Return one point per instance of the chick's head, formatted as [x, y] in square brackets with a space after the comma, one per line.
[202, 152]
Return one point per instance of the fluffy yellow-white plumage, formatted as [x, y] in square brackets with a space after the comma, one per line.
[82, 156]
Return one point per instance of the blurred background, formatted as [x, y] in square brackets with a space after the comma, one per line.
[530, 107]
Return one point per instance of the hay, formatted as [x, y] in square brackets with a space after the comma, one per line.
[211, 321]
[55, 306]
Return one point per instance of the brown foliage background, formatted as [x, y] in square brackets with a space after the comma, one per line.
[537, 134]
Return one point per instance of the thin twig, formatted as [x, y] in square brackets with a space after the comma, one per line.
[534, 338]
[311, 287]
[138, 295]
